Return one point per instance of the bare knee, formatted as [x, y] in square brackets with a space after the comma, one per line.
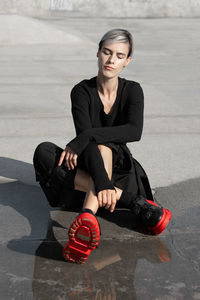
[105, 149]
[82, 181]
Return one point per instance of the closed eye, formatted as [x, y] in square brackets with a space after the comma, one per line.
[107, 52]
[121, 56]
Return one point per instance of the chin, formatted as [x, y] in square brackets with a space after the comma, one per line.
[109, 75]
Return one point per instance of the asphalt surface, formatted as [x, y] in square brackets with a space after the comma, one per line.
[37, 72]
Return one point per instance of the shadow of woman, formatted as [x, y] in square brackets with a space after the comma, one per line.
[19, 191]
[27, 202]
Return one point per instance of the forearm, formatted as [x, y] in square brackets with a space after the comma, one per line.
[116, 134]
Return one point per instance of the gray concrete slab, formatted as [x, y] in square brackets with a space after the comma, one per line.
[103, 8]
[35, 83]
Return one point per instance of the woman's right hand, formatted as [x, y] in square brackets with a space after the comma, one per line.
[70, 158]
[107, 198]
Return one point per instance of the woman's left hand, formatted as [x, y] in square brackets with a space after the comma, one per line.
[70, 158]
[107, 198]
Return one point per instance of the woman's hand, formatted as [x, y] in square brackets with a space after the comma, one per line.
[107, 198]
[70, 158]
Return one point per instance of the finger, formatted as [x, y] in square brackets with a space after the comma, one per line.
[113, 204]
[74, 160]
[73, 156]
[112, 207]
[67, 160]
[104, 198]
[99, 198]
[109, 200]
[61, 158]
[71, 161]
[108, 204]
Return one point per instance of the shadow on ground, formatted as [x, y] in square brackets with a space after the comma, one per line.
[30, 214]
[28, 201]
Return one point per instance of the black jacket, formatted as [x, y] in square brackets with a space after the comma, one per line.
[122, 125]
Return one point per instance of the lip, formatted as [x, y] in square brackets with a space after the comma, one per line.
[109, 68]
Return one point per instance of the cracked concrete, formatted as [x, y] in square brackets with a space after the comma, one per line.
[35, 82]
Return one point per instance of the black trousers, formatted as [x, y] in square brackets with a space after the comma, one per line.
[57, 182]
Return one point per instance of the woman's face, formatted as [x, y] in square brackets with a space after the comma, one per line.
[112, 58]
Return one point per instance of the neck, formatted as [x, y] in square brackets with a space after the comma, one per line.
[107, 86]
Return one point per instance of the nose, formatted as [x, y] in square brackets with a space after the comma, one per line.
[112, 58]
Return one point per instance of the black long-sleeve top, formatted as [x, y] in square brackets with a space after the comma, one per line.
[125, 119]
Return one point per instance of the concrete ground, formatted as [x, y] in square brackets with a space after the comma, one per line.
[40, 61]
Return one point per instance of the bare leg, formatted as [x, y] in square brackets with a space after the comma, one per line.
[84, 182]
[81, 181]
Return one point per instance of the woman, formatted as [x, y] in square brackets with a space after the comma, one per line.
[107, 112]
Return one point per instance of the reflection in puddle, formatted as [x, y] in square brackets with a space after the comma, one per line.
[108, 273]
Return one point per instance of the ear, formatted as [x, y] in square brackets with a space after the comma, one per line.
[128, 60]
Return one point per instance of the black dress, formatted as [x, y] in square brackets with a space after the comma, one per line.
[123, 124]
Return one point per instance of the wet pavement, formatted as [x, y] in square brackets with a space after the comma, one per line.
[128, 262]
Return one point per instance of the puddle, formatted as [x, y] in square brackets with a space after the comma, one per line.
[109, 272]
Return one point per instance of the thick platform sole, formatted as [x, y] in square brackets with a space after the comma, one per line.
[162, 224]
[84, 236]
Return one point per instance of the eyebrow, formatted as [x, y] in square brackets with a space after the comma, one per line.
[121, 53]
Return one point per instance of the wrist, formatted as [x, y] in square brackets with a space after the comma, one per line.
[79, 143]
[104, 187]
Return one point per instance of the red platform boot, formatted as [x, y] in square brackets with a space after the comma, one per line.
[84, 236]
